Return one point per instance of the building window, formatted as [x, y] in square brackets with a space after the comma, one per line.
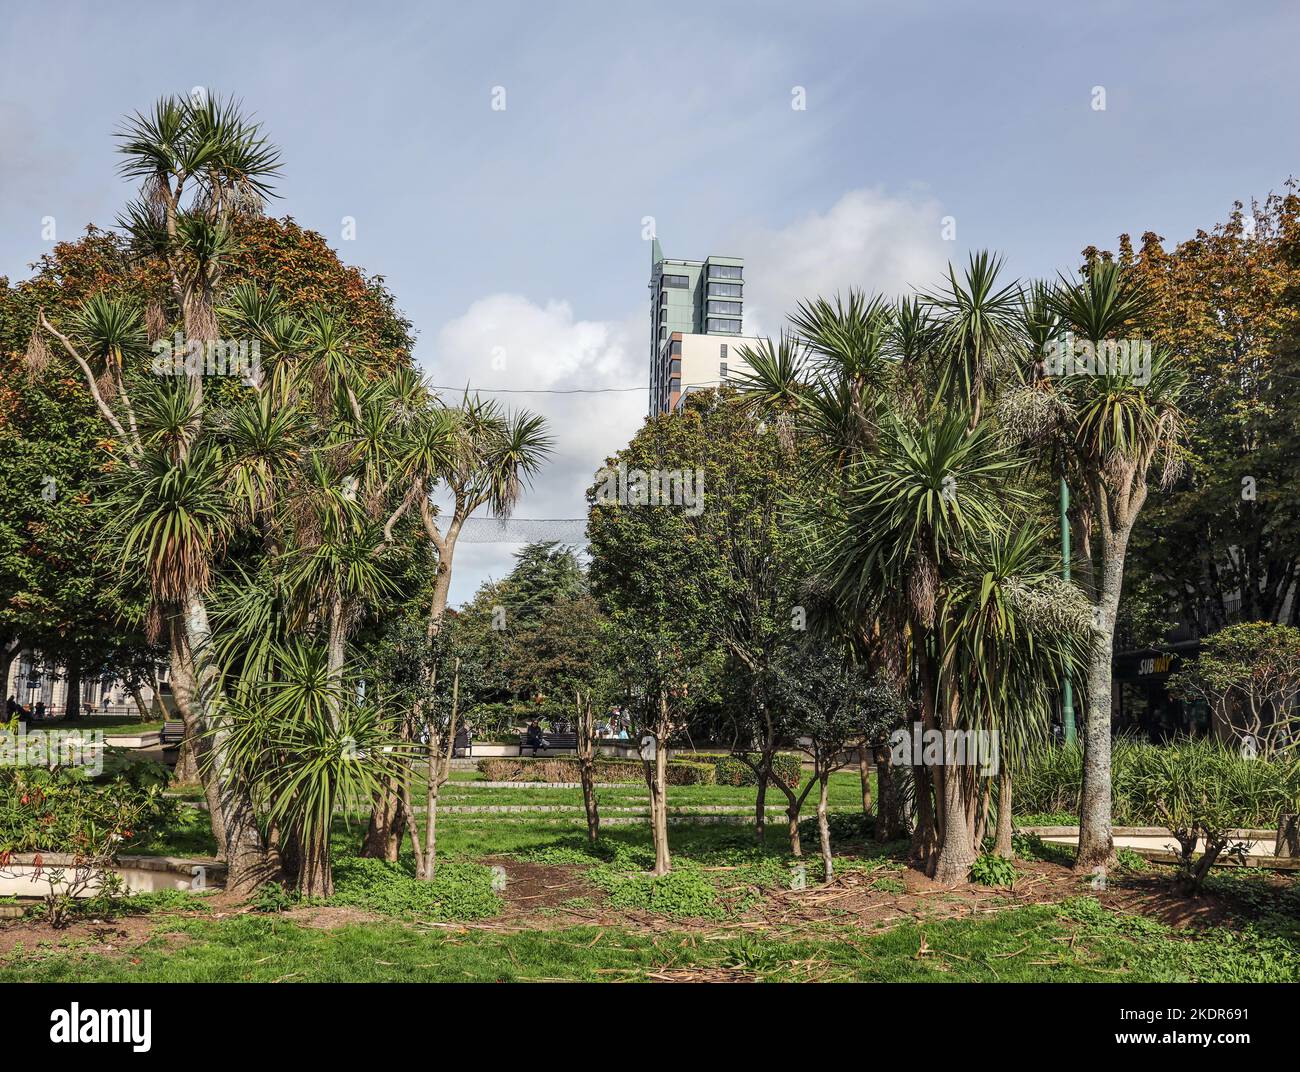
[725, 290]
[675, 367]
[724, 271]
[725, 327]
[722, 352]
[731, 307]
[722, 371]
[680, 282]
[663, 332]
[676, 348]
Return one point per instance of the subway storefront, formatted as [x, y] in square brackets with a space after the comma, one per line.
[1140, 702]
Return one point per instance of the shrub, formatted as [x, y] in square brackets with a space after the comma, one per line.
[273, 897]
[686, 772]
[458, 891]
[63, 810]
[1051, 778]
[1201, 790]
[787, 766]
[684, 892]
[844, 826]
[608, 771]
[122, 764]
[990, 870]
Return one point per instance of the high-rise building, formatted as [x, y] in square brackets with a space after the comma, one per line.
[696, 317]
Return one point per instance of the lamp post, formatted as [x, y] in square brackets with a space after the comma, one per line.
[1067, 689]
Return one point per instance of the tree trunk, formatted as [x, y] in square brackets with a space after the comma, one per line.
[387, 825]
[956, 850]
[336, 654]
[437, 771]
[925, 834]
[72, 694]
[430, 832]
[1096, 845]
[824, 826]
[442, 578]
[760, 805]
[9, 650]
[792, 824]
[1003, 847]
[864, 772]
[187, 763]
[1288, 836]
[141, 707]
[248, 862]
[584, 721]
[587, 772]
[889, 817]
[315, 877]
[926, 781]
[659, 808]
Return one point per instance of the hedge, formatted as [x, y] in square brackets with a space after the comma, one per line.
[788, 766]
[608, 771]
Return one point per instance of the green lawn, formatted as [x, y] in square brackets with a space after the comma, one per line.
[109, 724]
[1019, 945]
[696, 921]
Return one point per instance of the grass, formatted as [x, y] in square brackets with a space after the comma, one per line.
[1068, 943]
[443, 931]
[110, 724]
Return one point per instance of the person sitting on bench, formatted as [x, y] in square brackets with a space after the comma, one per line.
[535, 738]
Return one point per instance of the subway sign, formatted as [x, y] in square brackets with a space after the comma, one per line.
[1155, 664]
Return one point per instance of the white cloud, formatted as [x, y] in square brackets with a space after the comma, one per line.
[867, 239]
[507, 341]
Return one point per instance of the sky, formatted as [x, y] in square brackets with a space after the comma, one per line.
[514, 237]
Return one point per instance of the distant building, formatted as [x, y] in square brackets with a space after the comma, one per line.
[33, 680]
[696, 318]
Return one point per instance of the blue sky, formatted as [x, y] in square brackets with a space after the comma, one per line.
[516, 234]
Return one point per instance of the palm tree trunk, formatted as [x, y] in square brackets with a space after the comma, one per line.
[864, 773]
[1003, 845]
[248, 862]
[956, 851]
[1096, 845]
[387, 826]
[889, 819]
[315, 875]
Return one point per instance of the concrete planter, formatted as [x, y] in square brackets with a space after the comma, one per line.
[140, 874]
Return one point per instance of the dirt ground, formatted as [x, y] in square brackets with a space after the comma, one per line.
[543, 896]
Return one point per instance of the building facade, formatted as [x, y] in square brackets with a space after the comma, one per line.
[696, 325]
[39, 686]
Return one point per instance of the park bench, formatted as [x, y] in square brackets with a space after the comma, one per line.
[555, 742]
[172, 734]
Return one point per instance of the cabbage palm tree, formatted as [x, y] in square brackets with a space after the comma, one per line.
[903, 519]
[977, 332]
[1107, 433]
[306, 745]
[1014, 631]
[483, 455]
